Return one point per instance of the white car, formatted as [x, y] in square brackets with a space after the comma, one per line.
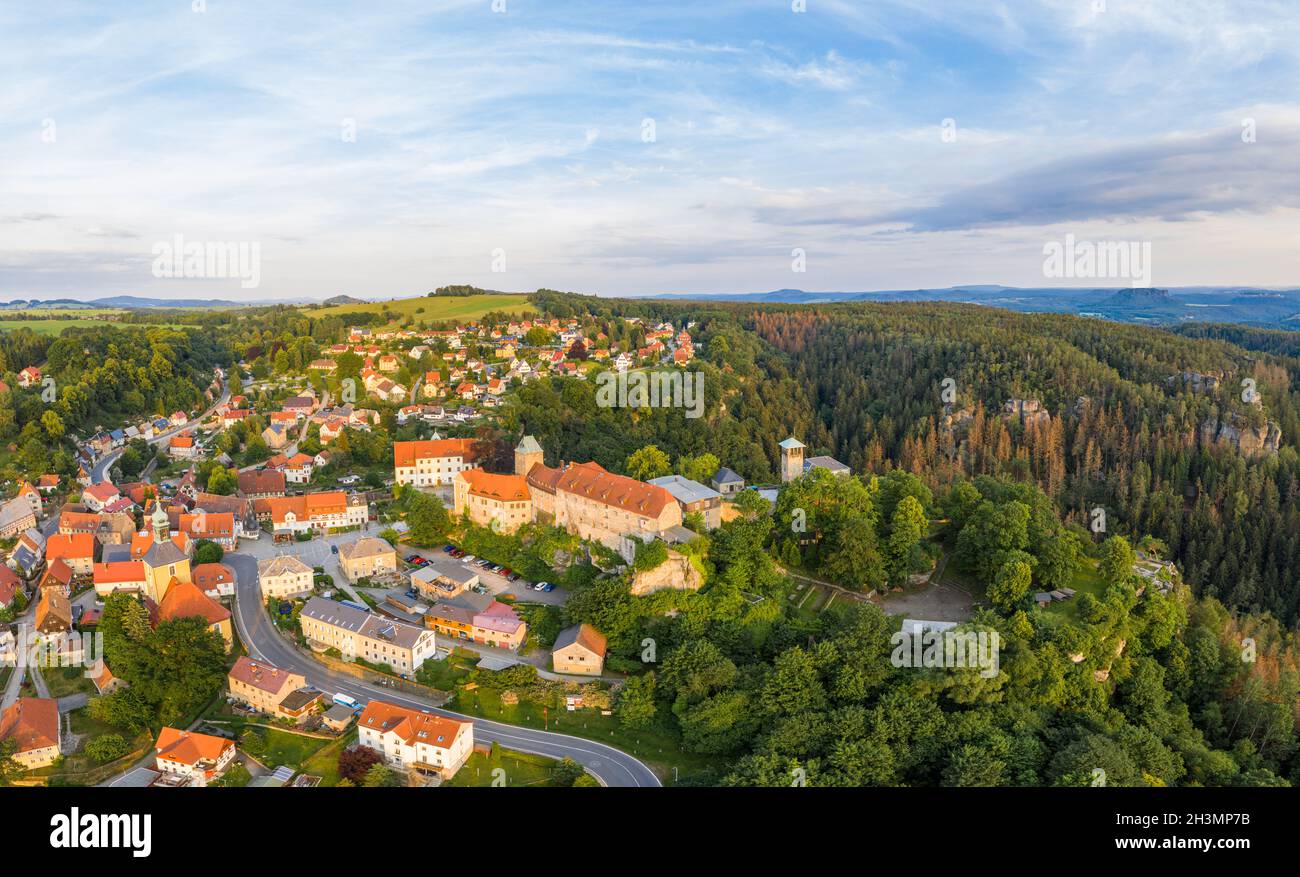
[540, 586]
[468, 558]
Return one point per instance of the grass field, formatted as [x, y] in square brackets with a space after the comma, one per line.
[521, 769]
[657, 746]
[1086, 581]
[52, 321]
[50, 326]
[432, 310]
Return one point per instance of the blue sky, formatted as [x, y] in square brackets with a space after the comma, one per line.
[517, 138]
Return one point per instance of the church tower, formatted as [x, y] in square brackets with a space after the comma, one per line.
[161, 523]
[791, 459]
[527, 455]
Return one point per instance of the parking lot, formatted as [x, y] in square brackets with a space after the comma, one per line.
[494, 583]
[315, 552]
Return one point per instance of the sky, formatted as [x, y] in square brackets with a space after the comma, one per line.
[383, 149]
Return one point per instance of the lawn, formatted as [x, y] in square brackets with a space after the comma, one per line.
[521, 769]
[63, 681]
[433, 310]
[656, 746]
[325, 763]
[1086, 581]
[445, 674]
[282, 747]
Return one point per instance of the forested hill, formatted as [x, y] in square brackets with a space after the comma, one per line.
[1154, 426]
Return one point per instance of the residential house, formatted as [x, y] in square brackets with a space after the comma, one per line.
[415, 740]
[432, 462]
[283, 577]
[359, 634]
[16, 516]
[32, 723]
[181, 447]
[367, 557]
[694, 498]
[579, 650]
[727, 482]
[216, 580]
[260, 483]
[194, 758]
[119, 575]
[10, 587]
[33, 497]
[53, 612]
[271, 690]
[479, 618]
[29, 552]
[322, 512]
[77, 550]
[58, 575]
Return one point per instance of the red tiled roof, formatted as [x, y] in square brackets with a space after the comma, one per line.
[411, 726]
[185, 600]
[406, 453]
[31, 722]
[592, 481]
[504, 488]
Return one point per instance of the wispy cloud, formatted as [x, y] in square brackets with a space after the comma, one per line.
[898, 143]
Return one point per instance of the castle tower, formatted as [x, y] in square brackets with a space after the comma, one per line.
[791, 459]
[527, 455]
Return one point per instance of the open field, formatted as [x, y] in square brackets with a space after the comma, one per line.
[52, 321]
[436, 309]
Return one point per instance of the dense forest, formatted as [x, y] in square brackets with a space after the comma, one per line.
[1195, 686]
[1130, 426]
[99, 378]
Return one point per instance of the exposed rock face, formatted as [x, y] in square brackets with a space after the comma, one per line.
[676, 572]
[1253, 441]
[958, 420]
[1028, 411]
[1195, 381]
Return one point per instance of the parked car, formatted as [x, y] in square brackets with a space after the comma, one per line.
[468, 558]
[414, 559]
[541, 586]
[514, 577]
[449, 548]
[548, 587]
[495, 567]
[334, 549]
[506, 571]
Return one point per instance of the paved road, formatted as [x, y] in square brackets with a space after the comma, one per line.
[99, 472]
[611, 766]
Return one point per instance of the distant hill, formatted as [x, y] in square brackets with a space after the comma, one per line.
[344, 300]
[1279, 308]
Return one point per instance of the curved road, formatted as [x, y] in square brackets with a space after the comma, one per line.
[99, 472]
[611, 766]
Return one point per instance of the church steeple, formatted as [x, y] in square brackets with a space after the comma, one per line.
[161, 524]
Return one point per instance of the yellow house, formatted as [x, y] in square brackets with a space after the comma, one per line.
[33, 724]
[367, 557]
[269, 689]
[501, 502]
[284, 576]
[580, 650]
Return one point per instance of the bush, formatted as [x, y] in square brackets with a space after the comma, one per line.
[106, 747]
[356, 762]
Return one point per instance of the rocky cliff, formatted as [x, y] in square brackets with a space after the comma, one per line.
[676, 572]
